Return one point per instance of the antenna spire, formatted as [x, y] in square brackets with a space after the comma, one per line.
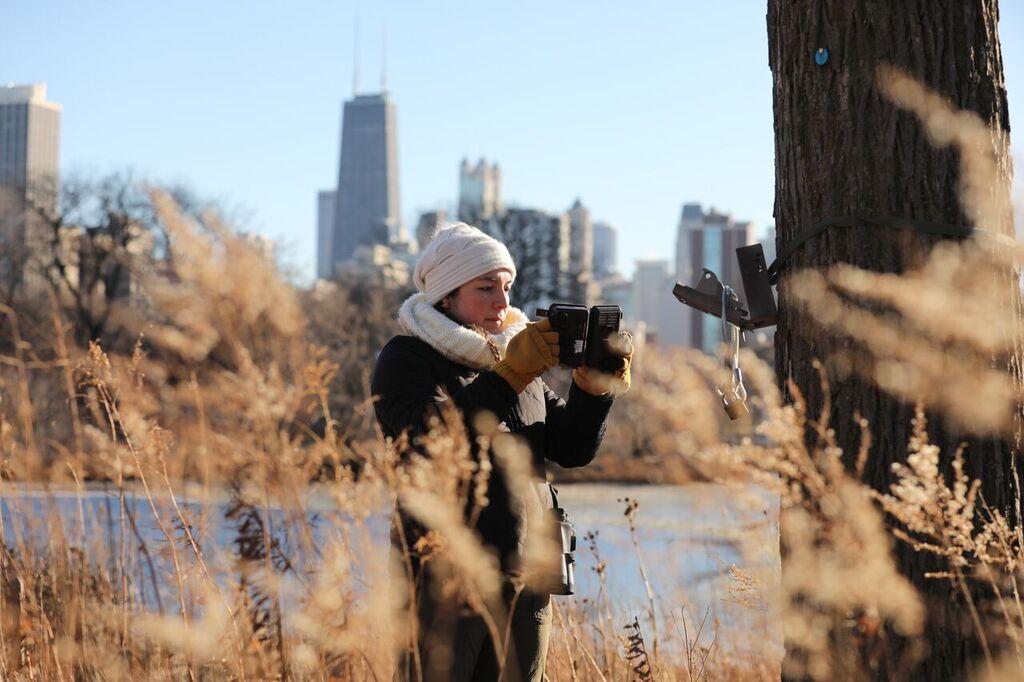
[355, 57]
[384, 61]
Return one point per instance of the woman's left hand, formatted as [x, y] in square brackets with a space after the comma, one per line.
[596, 382]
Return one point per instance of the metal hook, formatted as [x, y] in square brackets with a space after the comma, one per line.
[733, 345]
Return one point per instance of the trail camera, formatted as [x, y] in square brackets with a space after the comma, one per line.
[570, 321]
[604, 321]
[583, 334]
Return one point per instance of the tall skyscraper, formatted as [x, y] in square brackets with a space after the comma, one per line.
[605, 250]
[479, 191]
[325, 202]
[29, 140]
[691, 218]
[653, 302]
[708, 240]
[539, 244]
[579, 276]
[366, 211]
[29, 179]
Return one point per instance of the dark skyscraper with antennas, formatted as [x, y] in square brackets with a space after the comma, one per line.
[363, 210]
[366, 210]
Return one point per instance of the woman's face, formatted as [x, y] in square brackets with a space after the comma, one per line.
[482, 302]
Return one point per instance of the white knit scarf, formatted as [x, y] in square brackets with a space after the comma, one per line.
[419, 318]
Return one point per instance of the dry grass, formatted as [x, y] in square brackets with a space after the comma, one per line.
[257, 556]
[238, 538]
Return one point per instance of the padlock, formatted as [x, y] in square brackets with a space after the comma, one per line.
[734, 406]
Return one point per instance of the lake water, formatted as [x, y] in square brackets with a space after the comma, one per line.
[690, 538]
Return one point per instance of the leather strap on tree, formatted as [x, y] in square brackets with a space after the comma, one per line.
[923, 226]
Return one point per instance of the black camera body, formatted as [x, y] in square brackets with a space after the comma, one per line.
[604, 322]
[570, 321]
[583, 334]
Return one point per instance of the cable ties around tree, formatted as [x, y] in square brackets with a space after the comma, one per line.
[888, 222]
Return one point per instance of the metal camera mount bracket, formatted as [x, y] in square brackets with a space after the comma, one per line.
[707, 295]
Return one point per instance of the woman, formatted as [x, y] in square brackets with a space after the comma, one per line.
[465, 346]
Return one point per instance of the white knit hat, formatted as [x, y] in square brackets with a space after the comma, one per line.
[457, 254]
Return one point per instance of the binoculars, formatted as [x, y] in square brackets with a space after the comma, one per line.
[565, 537]
[583, 334]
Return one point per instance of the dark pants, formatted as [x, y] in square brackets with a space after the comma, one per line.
[456, 645]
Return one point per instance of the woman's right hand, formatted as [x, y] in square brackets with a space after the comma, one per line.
[530, 353]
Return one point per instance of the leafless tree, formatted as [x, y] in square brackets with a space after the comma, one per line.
[82, 246]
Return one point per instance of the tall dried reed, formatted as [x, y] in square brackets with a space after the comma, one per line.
[211, 516]
[222, 510]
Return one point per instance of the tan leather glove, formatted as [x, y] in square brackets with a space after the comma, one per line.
[530, 353]
[596, 382]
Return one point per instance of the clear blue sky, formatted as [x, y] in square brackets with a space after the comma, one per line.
[633, 107]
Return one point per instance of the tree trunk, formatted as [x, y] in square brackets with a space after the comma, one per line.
[841, 149]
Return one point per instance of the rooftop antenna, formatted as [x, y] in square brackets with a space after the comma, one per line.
[355, 57]
[384, 62]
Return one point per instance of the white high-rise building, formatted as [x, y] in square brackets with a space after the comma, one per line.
[579, 277]
[29, 181]
[29, 139]
[653, 302]
[479, 191]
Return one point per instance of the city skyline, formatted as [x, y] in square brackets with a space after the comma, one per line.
[635, 133]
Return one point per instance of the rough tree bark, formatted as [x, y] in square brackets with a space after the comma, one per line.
[840, 149]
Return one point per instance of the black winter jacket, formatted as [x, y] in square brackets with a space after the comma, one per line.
[412, 380]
